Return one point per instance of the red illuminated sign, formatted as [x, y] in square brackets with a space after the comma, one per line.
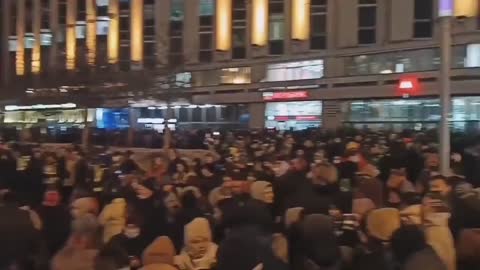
[408, 86]
[269, 96]
[307, 118]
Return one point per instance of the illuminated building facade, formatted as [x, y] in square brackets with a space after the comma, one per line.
[342, 53]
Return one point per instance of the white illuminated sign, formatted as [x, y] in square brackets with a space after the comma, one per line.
[406, 85]
[40, 107]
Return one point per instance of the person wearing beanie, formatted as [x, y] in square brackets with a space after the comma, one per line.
[159, 254]
[113, 218]
[56, 220]
[199, 251]
[380, 224]
[80, 250]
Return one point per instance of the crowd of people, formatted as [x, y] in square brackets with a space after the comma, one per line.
[262, 200]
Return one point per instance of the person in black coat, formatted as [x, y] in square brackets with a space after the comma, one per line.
[18, 237]
[56, 221]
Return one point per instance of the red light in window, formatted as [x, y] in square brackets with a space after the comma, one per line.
[408, 86]
[307, 118]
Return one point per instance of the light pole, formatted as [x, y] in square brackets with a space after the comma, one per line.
[448, 10]
[445, 96]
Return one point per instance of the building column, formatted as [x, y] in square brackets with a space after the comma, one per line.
[91, 32]
[53, 21]
[191, 27]
[71, 46]
[113, 39]
[20, 54]
[5, 55]
[257, 115]
[36, 23]
[332, 114]
[223, 30]
[136, 34]
[162, 27]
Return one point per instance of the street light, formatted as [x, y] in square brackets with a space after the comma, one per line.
[448, 9]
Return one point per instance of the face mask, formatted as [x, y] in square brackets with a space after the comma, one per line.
[132, 232]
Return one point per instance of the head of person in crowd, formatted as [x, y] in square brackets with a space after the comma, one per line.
[84, 236]
[380, 224]
[117, 158]
[159, 253]
[199, 251]
[441, 185]
[171, 201]
[280, 167]
[299, 165]
[432, 161]
[112, 257]
[262, 191]
[133, 225]
[406, 241]
[321, 249]
[324, 174]
[160, 165]
[411, 250]
[84, 206]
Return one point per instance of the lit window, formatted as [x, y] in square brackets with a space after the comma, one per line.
[177, 10]
[81, 30]
[102, 3]
[206, 8]
[12, 44]
[302, 70]
[46, 39]
[102, 27]
[239, 75]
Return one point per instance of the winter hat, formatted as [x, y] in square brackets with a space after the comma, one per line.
[292, 216]
[362, 206]
[257, 190]
[51, 198]
[199, 227]
[382, 223]
[319, 239]
[160, 251]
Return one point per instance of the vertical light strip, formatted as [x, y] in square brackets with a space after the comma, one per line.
[224, 25]
[113, 31]
[71, 45]
[20, 55]
[53, 21]
[300, 19]
[91, 9]
[260, 22]
[36, 22]
[136, 31]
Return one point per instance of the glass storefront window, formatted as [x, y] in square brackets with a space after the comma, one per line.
[296, 115]
[411, 61]
[240, 75]
[464, 110]
[302, 70]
